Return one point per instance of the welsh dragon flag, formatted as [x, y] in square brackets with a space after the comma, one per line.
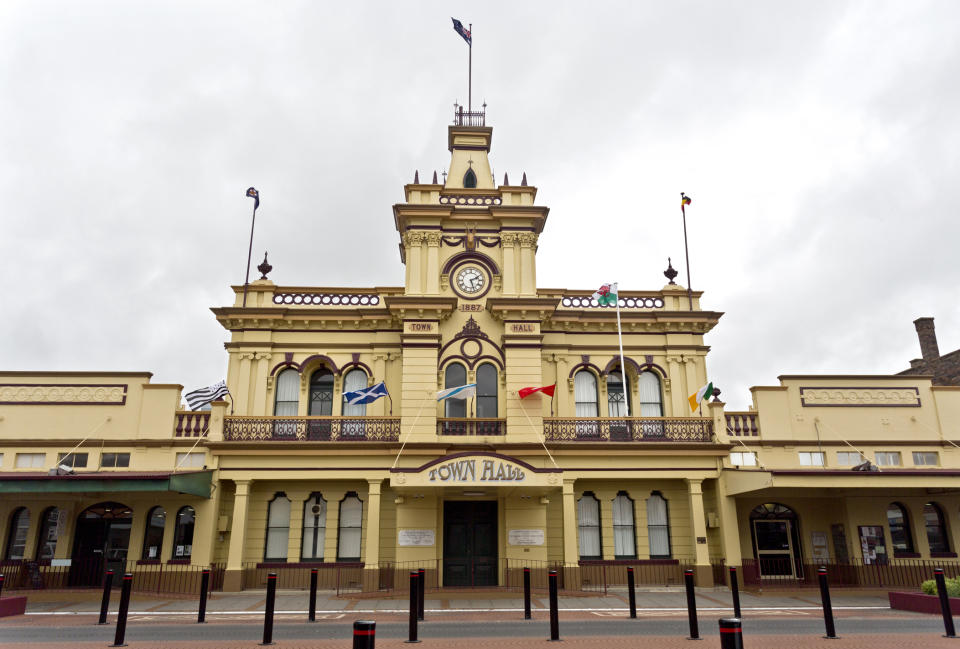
[606, 295]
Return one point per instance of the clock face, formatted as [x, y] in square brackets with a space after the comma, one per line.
[471, 280]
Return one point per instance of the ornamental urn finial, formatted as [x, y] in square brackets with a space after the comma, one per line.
[670, 273]
[265, 267]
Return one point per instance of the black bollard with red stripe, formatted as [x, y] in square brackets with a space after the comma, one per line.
[632, 593]
[204, 589]
[105, 600]
[312, 614]
[526, 594]
[554, 616]
[122, 613]
[414, 605]
[364, 634]
[735, 589]
[691, 605]
[948, 630]
[268, 611]
[731, 633]
[421, 586]
[827, 606]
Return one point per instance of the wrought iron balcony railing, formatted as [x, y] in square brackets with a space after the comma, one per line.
[623, 429]
[311, 429]
[451, 426]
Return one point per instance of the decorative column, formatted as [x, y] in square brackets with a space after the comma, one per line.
[433, 263]
[729, 527]
[371, 553]
[571, 553]
[233, 576]
[678, 385]
[528, 266]
[242, 388]
[508, 242]
[698, 529]
[260, 370]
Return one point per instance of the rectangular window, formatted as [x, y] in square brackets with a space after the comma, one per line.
[114, 460]
[191, 460]
[1, 459]
[887, 458]
[31, 460]
[849, 458]
[72, 460]
[744, 458]
[811, 458]
[926, 458]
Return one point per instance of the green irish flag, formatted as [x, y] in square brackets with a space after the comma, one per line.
[606, 295]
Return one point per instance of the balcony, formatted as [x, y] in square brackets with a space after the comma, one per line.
[191, 423]
[623, 429]
[459, 426]
[311, 429]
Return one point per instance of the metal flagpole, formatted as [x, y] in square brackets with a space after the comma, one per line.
[470, 72]
[686, 250]
[246, 281]
[623, 368]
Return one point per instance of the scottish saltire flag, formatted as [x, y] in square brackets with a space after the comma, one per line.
[463, 31]
[255, 195]
[459, 392]
[366, 395]
[203, 396]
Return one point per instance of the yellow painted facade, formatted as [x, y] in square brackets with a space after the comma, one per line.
[286, 473]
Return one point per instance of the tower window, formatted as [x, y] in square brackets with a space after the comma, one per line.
[469, 179]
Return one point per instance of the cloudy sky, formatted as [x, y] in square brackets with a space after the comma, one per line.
[819, 141]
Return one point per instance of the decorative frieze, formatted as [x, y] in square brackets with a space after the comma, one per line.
[578, 301]
[63, 394]
[854, 397]
[326, 299]
[479, 201]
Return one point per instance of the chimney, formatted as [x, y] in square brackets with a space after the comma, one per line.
[928, 339]
[916, 364]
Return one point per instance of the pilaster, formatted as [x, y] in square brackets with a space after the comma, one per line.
[433, 263]
[371, 552]
[508, 242]
[571, 553]
[233, 576]
[698, 529]
[528, 273]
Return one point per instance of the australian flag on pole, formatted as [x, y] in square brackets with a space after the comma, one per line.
[366, 395]
[463, 31]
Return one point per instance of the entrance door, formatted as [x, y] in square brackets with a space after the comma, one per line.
[774, 548]
[470, 543]
[100, 544]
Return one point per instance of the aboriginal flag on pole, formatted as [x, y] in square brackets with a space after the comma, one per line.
[463, 31]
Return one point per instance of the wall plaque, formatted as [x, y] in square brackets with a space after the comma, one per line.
[525, 537]
[416, 537]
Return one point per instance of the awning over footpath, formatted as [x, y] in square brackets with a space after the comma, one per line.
[194, 483]
[750, 481]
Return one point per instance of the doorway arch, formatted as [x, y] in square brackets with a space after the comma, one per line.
[100, 543]
[775, 531]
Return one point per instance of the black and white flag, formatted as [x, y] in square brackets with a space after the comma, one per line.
[203, 396]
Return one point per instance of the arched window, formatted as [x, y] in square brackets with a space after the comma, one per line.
[899, 524]
[314, 528]
[487, 391]
[455, 375]
[624, 529]
[585, 393]
[183, 533]
[153, 535]
[278, 528]
[351, 526]
[936, 528]
[469, 179]
[588, 521]
[47, 539]
[617, 395]
[288, 393]
[658, 526]
[355, 379]
[17, 537]
[321, 393]
[651, 399]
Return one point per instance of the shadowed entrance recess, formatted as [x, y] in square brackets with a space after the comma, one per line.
[470, 543]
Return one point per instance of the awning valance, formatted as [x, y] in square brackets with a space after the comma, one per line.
[194, 483]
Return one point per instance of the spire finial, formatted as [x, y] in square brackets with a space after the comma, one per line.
[416, 177]
[506, 180]
[434, 176]
[523, 182]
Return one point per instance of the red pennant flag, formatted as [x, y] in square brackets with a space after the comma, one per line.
[526, 392]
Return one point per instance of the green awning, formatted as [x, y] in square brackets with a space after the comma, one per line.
[194, 483]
